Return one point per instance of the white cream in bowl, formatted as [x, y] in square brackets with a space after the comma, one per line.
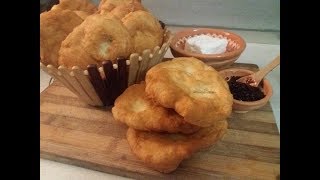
[206, 44]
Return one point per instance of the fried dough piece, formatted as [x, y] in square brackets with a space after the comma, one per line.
[76, 5]
[122, 10]
[145, 30]
[55, 25]
[98, 38]
[164, 152]
[106, 6]
[82, 14]
[133, 108]
[195, 90]
[71, 52]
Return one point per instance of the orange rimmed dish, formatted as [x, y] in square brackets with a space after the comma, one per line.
[236, 45]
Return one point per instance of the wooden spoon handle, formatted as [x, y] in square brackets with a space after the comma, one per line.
[264, 71]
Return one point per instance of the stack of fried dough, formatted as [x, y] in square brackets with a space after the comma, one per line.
[77, 33]
[181, 108]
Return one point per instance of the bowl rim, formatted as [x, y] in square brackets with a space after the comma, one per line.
[222, 56]
[266, 83]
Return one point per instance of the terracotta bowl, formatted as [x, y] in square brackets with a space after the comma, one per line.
[245, 106]
[235, 47]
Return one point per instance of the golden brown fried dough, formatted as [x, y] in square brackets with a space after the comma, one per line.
[71, 52]
[82, 14]
[137, 111]
[55, 25]
[76, 5]
[106, 6]
[122, 10]
[106, 38]
[145, 29]
[164, 152]
[195, 90]
[98, 38]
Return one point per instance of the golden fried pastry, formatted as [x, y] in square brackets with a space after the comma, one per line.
[76, 5]
[55, 25]
[164, 152]
[137, 111]
[122, 10]
[82, 14]
[71, 52]
[145, 29]
[195, 90]
[98, 38]
[106, 6]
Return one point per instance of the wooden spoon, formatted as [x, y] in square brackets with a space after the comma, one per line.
[255, 78]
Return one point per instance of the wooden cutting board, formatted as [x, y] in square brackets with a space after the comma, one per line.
[75, 133]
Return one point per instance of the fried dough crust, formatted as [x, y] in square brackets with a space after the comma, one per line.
[137, 111]
[106, 6]
[145, 30]
[76, 5]
[55, 25]
[195, 90]
[164, 152]
[122, 10]
[98, 38]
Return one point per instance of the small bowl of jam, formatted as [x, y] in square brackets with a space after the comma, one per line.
[246, 97]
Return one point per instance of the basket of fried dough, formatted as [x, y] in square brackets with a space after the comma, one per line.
[98, 51]
[181, 108]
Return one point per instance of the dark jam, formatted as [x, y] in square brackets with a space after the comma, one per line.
[244, 92]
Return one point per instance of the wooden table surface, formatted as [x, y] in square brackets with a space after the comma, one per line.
[75, 133]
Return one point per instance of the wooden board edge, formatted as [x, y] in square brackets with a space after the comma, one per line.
[95, 167]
